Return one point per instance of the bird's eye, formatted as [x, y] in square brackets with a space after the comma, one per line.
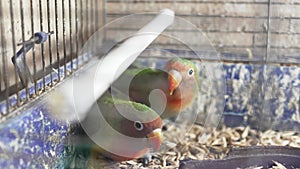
[138, 125]
[191, 72]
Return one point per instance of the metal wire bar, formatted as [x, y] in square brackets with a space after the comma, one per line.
[121, 14]
[87, 19]
[64, 38]
[57, 39]
[33, 49]
[76, 32]
[212, 2]
[81, 23]
[97, 15]
[92, 9]
[264, 108]
[24, 49]
[42, 46]
[14, 49]
[50, 44]
[92, 20]
[261, 32]
[4, 62]
[265, 58]
[1, 80]
[71, 34]
[104, 16]
[97, 22]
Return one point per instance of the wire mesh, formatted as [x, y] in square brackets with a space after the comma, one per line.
[44, 37]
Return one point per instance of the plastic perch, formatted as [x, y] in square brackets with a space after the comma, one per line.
[72, 99]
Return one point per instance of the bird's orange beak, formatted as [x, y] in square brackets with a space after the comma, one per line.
[155, 139]
[174, 80]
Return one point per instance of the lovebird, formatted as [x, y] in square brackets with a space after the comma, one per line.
[123, 130]
[177, 86]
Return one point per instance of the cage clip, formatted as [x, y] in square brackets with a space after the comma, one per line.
[19, 59]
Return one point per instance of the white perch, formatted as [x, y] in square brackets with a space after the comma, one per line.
[72, 99]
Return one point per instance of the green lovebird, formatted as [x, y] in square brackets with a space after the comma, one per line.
[123, 130]
[177, 84]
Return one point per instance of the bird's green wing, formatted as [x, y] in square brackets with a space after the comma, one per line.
[114, 110]
[137, 84]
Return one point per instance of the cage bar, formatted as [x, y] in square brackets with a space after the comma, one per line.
[4, 62]
[24, 51]
[33, 49]
[50, 43]
[76, 32]
[64, 37]
[14, 50]
[42, 46]
[71, 35]
[87, 21]
[57, 40]
[81, 22]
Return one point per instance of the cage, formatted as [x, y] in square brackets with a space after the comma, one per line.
[246, 113]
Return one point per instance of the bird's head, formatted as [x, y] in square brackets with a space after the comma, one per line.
[180, 70]
[146, 124]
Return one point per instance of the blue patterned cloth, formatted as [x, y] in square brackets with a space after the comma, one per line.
[266, 101]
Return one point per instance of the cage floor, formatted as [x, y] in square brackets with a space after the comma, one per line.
[202, 144]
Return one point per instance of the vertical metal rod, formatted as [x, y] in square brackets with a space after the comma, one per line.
[24, 50]
[33, 49]
[92, 21]
[1, 77]
[97, 19]
[92, 10]
[64, 38]
[4, 62]
[97, 15]
[265, 122]
[76, 31]
[50, 44]
[104, 19]
[268, 33]
[14, 49]
[87, 19]
[87, 24]
[71, 34]
[42, 45]
[81, 23]
[57, 40]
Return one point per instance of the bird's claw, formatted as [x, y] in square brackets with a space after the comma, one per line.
[146, 159]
